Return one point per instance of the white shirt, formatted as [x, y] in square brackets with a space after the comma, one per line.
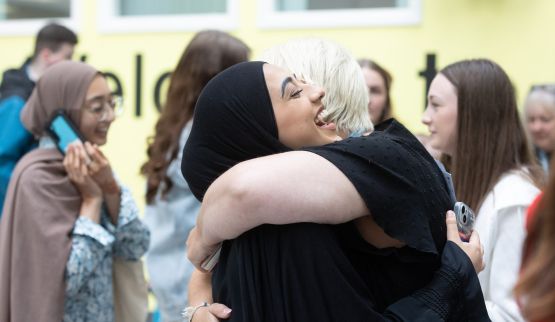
[501, 225]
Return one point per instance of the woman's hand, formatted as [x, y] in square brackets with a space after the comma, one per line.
[100, 170]
[473, 248]
[212, 313]
[197, 251]
[75, 163]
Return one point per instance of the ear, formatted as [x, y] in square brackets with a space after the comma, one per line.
[45, 55]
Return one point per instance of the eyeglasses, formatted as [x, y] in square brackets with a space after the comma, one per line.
[101, 107]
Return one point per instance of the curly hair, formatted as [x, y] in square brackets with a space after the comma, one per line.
[208, 53]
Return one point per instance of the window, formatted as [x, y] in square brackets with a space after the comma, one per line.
[333, 13]
[166, 15]
[26, 17]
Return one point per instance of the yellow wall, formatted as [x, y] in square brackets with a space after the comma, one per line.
[515, 33]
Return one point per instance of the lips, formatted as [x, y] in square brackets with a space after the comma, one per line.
[320, 123]
[319, 118]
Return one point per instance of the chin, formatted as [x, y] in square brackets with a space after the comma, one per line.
[99, 141]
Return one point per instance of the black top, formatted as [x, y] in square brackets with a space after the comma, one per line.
[400, 182]
[310, 272]
[17, 82]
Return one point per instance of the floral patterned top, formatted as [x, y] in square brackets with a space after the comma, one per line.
[89, 292]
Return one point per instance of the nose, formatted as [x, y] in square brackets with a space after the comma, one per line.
[426, 117]
[108, 114]
[317, 93]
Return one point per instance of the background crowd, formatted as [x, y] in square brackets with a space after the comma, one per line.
[72, 237]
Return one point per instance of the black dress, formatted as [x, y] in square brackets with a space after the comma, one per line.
[311, 272]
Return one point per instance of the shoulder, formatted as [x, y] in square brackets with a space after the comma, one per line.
[11, 102]
[38, 167]
[16, 82]
[514, 188]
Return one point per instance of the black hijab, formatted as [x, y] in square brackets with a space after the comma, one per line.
[234, 121]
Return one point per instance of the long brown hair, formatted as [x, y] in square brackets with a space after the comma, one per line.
[387, 111]
[536, 286]
[490, 136]
[208, 53]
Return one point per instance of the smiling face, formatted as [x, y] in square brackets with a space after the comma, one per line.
[378, 93]
[297, 109]
[97, 114]
[441, 115]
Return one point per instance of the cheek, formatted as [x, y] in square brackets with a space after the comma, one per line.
[381, 100]
[87, 131]
[87, 127]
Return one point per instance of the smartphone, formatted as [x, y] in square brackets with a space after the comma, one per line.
[212, 260]
[63, 131]
[465, 219]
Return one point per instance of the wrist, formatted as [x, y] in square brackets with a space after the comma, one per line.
[189, 311]
[110, 188]
[90, 208]
[92, 202]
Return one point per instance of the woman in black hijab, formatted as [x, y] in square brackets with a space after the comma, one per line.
[311, 272]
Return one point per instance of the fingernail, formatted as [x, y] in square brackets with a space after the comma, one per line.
[450, 213]
[227, 311]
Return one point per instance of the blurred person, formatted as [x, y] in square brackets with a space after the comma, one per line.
[539, 110]
[473, 120]
[171, 207]
[53, 43]
[66, 218]
[536, 284]
[378, 80]
[270, 272]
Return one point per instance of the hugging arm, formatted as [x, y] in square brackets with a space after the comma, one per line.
[279, 189]
[453, 294]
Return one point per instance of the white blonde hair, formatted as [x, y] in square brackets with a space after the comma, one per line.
[331, 66]
[543, 95]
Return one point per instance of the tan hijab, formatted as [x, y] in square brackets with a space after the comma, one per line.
[41, 206]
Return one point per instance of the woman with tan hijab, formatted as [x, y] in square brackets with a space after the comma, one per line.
[65, 217]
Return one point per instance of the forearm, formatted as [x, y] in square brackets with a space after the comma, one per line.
[90, 208]
[454, 289]
[111, 193]
[132, 235]
[280, 189]
[91, 243]
[200, 288]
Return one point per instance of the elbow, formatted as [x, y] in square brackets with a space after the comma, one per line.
[237, 190]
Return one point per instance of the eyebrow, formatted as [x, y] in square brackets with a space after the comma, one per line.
[286, 81]
[97, 97]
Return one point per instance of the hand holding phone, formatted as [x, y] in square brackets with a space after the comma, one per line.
[465, 220]
[63, 131]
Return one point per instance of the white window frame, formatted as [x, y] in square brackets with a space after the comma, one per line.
[27, 27]
[110, 22]
[269, 18]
